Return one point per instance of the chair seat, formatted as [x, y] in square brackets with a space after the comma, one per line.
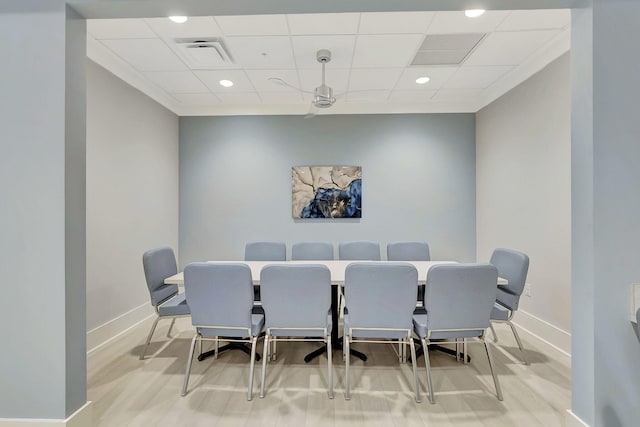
[420, 327]
[257, 324]
[373, 333]
[284, 332]
[176, 306]
[499, 312]
[162, 293]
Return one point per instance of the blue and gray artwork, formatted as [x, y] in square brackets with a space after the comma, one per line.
[327, 191]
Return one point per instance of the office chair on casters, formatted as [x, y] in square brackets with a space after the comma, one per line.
[221, 301]
[380, 299]
[159, 264]
[513, 266]
[297, 303]
[458, 300]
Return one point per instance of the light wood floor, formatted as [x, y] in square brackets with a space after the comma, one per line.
[128, 392]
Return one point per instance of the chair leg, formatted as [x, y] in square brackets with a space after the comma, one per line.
[465, 352]
[515, 334]
[493, 372]
[493, 331]
[173, 321]
[345, 355]
[189, 360]
[264, 364]
[273, 350]
[254, 342]
[415, 369]
[216, 344]
[330, 366]
[457, 350]
[153, 328]
[427, 363]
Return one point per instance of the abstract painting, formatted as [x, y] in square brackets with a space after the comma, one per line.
[326, 191]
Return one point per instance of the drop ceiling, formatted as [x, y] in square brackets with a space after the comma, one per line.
[371, 68]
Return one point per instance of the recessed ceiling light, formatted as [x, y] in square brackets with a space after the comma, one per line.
[422, 80]
[178, 19]
[474, 13]
[226, 83]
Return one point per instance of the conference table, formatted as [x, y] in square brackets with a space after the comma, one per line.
[337, 269]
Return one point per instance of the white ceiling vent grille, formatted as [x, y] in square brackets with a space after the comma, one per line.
[201, 53]
[446, 49]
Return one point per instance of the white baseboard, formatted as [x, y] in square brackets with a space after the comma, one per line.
[572, 420]
[113, 328]
[544, 331]
[83, 417]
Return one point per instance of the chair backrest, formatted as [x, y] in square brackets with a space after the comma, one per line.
[408, 251]
[460, 296]
[159, 264]
[265, 251]
[312, 251]
[365, 251]
[513, 266]
[219, 294]
[295, 295]
[380, 295]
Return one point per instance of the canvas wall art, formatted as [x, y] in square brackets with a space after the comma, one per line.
[326, 191]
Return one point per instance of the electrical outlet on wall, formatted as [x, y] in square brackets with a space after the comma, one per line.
[527, 289]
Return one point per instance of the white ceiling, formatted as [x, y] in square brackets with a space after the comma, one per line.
[371, 53]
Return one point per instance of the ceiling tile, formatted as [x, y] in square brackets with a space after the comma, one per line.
[457, 94]
[393, 50]
[119, 29]
[509, 48]
[196, 26]
[395, 22]
[411, 95]
[177, 81]
[337, 79]
[261, 52]
[373, 79]
[212, 79]
[197, 98]
[291, 97]
[260, 80]
[146, 54]
[363, 96]
[239, 98]
[437, 75]
[253, 25]
[326, 23]
[306, 47]
[520, 20]
[476, 77]
[457, 22]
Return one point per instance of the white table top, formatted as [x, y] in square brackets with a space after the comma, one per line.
[336, 267]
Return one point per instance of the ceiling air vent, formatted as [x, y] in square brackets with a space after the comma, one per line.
[446, 49]
[203, 52]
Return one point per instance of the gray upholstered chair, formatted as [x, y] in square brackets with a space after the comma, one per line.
[159, 264]
[311, 251]
[362, 250]
[380, 299]
[221, 300]
[458, 300]
[297, 303]
[408, 251]
[265, 251]
[513, 266]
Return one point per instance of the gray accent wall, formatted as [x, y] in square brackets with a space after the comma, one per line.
[418, 181]
[524, 186]
[132, 192]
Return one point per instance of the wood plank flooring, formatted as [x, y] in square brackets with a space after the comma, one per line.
[126, 391]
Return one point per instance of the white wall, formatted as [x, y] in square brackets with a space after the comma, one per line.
[418, 181]
[524, 186]
[132, 192]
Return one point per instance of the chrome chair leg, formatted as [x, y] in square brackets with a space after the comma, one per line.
[465, 352]
[515, 334]
[415, 369]
[216, 344]
[493, 372]
[493, 331]
[345, 351]
[153, 328]
[330, 366]
[254, 342]
[427, 363]
[189, 360]
[265, 356]
[173, 321]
